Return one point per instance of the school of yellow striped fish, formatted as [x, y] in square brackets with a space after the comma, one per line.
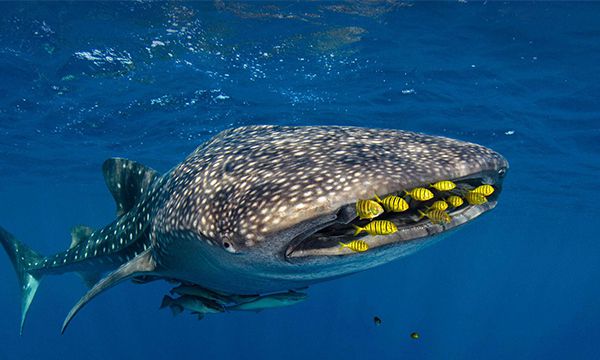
[437, 212]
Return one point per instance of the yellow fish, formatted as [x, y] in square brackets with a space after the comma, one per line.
[355, 245]
[420, 194]
[439, 205]
[368, 209]
[377, 227]
[443, 185]
[436, 216]
[454, 200]
[393, 203]
[485, 190]
[474, 198]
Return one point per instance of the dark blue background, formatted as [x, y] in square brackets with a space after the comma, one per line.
[81, 82]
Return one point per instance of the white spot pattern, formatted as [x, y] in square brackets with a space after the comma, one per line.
[249, 182]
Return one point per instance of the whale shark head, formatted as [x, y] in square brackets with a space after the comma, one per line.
[271, 204]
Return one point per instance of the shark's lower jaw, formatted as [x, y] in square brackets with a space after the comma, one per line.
[325, 240]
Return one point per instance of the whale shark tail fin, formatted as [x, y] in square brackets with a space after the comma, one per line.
[22, 258]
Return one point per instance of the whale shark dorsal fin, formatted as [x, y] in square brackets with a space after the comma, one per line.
[143, 264]
[127, 180]
[80, 233]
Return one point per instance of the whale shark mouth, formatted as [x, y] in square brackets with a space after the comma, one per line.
[325, 239]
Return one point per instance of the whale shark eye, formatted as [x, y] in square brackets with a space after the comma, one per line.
[228, 247]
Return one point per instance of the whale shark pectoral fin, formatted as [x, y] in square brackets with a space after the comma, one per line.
[140, 265]
[127, 180]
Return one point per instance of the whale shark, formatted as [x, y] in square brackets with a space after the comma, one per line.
[257, 210]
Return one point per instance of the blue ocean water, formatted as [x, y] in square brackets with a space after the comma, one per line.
[84, 81]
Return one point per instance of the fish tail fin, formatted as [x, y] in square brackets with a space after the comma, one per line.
[377, 198]
[22, 257]
[422, 214]
[169, 302]
[358, 230]
[200, 315]
[166, 301]
[342, 245]
[176, 309]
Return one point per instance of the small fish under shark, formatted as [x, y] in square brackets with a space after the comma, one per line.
[258, 210]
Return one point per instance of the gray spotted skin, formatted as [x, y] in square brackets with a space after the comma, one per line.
[109, 247]
[248, 183]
